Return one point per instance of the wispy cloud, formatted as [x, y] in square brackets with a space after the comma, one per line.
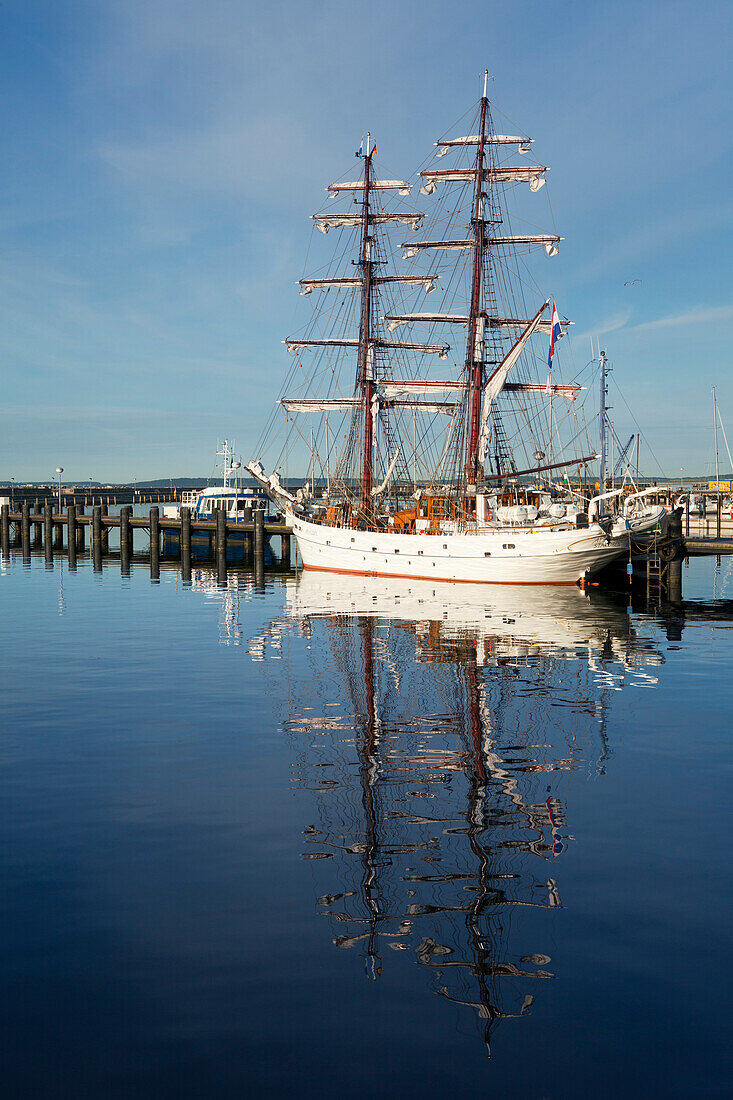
[709, 316]
[610, 324]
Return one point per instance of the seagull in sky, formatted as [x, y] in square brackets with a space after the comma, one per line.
[631, 282]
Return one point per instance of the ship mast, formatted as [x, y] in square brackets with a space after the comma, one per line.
[474, 367]
[366, 354]
[603, 417]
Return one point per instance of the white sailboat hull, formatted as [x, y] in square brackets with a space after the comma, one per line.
[489, 556]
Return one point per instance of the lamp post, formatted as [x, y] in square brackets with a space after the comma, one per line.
[59, 471]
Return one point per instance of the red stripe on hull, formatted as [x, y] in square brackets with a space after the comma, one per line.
[432, 577]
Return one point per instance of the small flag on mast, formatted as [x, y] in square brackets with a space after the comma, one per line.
[555, 334]
[361, 152]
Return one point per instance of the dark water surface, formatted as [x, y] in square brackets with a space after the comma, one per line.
[344, 838]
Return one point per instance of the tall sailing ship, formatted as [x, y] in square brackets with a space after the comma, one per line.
[426, 477]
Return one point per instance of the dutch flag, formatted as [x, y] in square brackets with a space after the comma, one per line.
[555, 334]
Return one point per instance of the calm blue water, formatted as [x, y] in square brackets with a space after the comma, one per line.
[333, 838]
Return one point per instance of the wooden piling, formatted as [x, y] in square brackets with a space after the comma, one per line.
[96, 541]
[125, 526]
[105, 530]
[154, 544]
[97, 525]
[125, 540]
[71, 534]
[674, 581]
[285, 551]
[185, 543]
[25, 524]
[5, 530]
[221, 530]
[186, 529]
[247, 543]
[58, 532]
[258, 517]
[221, 545]
[48, 528]
[80, 532]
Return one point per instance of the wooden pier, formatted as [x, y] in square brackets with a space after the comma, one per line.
[657, 564]
[68, 530]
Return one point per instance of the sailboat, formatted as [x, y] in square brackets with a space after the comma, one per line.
[471, 516]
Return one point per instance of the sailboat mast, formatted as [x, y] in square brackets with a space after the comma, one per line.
[474, 369]
[715, 435]
[366, 360]
[602, 422]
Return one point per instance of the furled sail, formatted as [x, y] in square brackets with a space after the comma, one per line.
[377, 489]
[440, 350]
[402, 186]
[545, 325]
[428, 282]
[398, 388]
[394, 399]
[525, 173]
[489, 139]
[495, 383]
[324, 222]
[413, 247]
[395, 320]
[315, 404]
[420, 406]
[550, 242]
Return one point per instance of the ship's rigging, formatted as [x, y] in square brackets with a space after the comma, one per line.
[395, 424]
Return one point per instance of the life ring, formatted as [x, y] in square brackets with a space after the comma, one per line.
[489, 513]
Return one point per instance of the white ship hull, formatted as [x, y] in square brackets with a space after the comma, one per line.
[489, 556]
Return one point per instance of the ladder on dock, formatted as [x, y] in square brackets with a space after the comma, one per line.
[656, 570]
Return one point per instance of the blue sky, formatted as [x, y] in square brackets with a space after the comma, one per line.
[162, 157]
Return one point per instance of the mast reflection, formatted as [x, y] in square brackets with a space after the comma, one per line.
[438, 727]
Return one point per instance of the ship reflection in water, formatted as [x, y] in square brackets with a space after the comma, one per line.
[436, 729]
